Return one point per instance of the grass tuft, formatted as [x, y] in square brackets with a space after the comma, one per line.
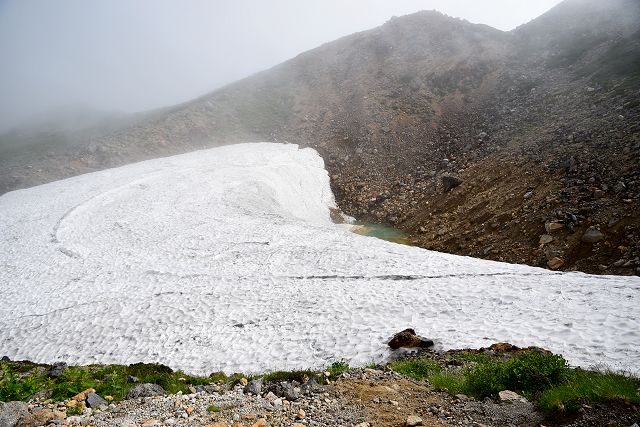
[418, 369]
[589, 387]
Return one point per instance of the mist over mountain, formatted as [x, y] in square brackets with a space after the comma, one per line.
[504, 145]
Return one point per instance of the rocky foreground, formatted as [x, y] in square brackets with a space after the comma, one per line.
[360, 397]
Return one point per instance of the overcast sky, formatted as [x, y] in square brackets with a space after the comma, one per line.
[131, 55]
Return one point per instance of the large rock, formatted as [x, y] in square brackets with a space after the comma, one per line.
[409, 339]
[145, 390]
[450, 182]
[38, 418]
[57, 369]
[287, 390]
[95, 401]
[254, 387]
[11, 412]
[511, 396]
[592, 235]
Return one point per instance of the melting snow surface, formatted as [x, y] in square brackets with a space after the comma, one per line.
[226, 259]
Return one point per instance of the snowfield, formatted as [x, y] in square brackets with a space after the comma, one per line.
[226, 259]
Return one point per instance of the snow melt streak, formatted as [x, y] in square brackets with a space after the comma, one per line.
[226, 259]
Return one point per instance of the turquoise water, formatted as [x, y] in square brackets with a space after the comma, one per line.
[383, 232]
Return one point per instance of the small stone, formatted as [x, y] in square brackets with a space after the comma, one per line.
[528, 194]
[555, 263]
[301, 414]
[260, 423]
[553, 226]
[244, 381]
[592, 235]
[545, 239]
[189, 410]
[394, 402]
[619, 187]
[413, 421]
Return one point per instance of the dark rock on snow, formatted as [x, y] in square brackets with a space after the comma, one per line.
[409, 339]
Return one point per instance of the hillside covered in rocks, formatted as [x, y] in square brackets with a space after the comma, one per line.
[518, 146]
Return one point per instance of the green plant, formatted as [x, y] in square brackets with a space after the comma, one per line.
[529, 373]
[13, 388]
[213, 408]
[454, 383]
[418, 369]
[589, 387]
[337, 368]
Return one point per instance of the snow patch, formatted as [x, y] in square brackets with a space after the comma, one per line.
[226, 259]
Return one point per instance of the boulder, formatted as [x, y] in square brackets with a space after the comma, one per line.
[95, 401]
[503, 347]
[57, 369]
[253, 387]
[11, 412]
[287, 390]
[145, 390]
[38, 418]
[409, 339]
[511, 396]
[592, 235]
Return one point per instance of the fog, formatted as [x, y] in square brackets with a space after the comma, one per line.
[122, 55]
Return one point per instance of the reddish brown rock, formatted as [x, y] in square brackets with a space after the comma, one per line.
[409, 339]
[555, 263]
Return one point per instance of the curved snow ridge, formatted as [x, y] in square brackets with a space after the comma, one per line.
[226, 259]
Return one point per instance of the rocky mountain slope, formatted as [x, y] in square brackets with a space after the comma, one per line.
[501, 145]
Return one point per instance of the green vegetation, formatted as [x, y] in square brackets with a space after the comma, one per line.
[213, 408]
[337, 368]
[12, 388]
[300, 376]
[20, 380]
[418, 369]
[545, 379]
[589, 387]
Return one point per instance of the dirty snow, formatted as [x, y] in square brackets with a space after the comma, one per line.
[226, 259]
